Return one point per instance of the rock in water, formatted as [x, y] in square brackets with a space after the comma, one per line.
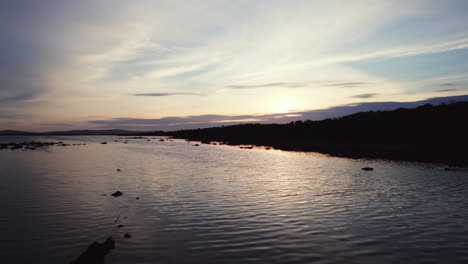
[127, 235]
[96, 252]
[368, 169]
[117, 193]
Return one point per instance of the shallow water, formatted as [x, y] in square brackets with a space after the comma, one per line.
[222, 204]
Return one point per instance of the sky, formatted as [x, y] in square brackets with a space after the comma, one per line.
[165, 65]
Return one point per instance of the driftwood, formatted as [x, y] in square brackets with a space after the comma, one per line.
[95, 253]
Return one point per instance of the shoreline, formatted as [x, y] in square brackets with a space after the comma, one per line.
[450, 155]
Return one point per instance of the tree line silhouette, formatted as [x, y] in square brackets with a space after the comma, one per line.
[426, 133]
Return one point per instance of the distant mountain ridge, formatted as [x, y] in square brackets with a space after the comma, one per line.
[72, 132]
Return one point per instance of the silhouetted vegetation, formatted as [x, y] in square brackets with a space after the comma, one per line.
[427, 133]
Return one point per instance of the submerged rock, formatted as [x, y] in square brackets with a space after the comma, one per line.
[120, 226]
[117, 194]
[368, 169]
[104, 142]
[96, 252]
[127, 235]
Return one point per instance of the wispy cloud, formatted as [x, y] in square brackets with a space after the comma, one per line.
[364, 96]
[269, 85]
[81, 57]
[448, 84]
[347, 84]
[13, 116]
[448, 90]
[56, 124]
[325, 83]
[196, 121]
[168, 94]
[18, 98]
[188, 121]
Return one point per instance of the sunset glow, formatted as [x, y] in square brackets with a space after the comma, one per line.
[66, 65]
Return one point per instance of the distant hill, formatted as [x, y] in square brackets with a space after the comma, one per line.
[426, 133]
[73, 132]
[15, 132]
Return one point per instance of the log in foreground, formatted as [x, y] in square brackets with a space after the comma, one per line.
[95, 253]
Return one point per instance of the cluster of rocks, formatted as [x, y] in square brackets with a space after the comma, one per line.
[136, 138]
[33, 145]
[246, 147]
[117, 194]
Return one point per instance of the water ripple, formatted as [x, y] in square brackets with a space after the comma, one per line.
[219, 204]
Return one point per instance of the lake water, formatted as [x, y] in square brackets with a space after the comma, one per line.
[222, 204]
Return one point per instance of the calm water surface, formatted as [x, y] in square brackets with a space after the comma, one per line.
[221, 204]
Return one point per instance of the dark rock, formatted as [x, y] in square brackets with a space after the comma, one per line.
[95, 253]
[368, 169]
[196, 145]
[117, 194]
[120, 226]
[118, 169]
[138, 198]
[104, 142]
[161, 139]
[127, 235]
